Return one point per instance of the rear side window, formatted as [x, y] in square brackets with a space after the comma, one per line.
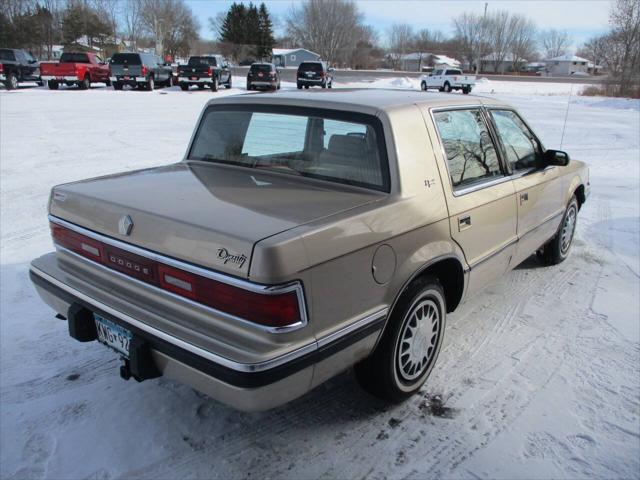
[126, 59]
[202, 61]
[7, 55]
[305, 142]
[74, 58]
[471, 154]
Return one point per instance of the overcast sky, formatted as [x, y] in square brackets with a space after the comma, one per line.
[582, 19]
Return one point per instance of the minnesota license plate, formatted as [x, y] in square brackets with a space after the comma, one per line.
[113, 335]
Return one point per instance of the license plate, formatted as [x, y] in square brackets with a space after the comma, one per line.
[194, 78]
[113, 335]
[58, 78]
[126, 77]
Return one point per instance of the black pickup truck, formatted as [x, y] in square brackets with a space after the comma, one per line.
[205, 70]
[18, 66]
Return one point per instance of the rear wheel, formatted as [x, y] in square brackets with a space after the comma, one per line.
[214, 84]
[306, 87]
[229, 83]
[52, 84]
[184, 87]
[447, 87]
[201, 86]
[466, 90]
[117, 85]
[85, 83]
[410, 344]
[557, 250]
[11, 83]
[423, 86]
[299, 86]
[107, 82]
[151, 84]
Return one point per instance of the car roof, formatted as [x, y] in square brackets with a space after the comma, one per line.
[366, 99]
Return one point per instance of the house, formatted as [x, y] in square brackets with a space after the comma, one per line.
[292, 57]
[492, 63]
[535, 67]
[422, 61]
[567, 65]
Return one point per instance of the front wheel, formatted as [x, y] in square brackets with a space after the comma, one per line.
[410, 344]
[447, 87]
[557, 250]
[423, 86]
[229, 83]
[85, 83]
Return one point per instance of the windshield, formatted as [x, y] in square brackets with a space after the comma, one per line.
[261, 68]
[311, 67]
[344, 148]
[206, 61]
[74, 58]
[126, 58]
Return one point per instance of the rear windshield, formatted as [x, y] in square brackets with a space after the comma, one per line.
[74, 58]
[8, 55]
[261, 68]
[126, 58]
[206, 61]
[310, 67]
[454, 72]
[335, 146]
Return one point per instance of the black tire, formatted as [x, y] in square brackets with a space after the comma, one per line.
[150, 85]
[53, 85]
[306, 87]
[117, 85]
[214, 84]
[184, 87]
[278, 87]
[85, 84]
[386, 373]
[229, 83]
[423, 86]
[11, 83]
[330, 84]
[201, 86]
[299, 86]
[447, 87]
[40, 83]
[169, 82]
[107, 82]
[558, 248]
[324, 84]
[466, 90]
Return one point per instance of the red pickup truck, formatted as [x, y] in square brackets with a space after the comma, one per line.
[75, 69]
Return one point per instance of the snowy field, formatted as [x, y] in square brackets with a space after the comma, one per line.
[539, 376]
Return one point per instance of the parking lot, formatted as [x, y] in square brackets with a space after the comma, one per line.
[539, 371]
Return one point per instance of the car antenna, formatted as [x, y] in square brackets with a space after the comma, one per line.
[566, 115]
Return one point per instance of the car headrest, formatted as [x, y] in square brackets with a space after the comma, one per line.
[347, 146]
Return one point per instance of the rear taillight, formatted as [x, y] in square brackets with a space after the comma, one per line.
[210, 72]
[144, 71]
[275, 310]
[1, 68]
[321, 74]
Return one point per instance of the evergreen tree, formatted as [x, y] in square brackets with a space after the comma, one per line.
[266, 40]
[233, 27]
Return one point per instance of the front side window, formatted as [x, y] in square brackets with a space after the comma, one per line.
[338, 147]
[7, 55]
[471, 154]
[520, 146]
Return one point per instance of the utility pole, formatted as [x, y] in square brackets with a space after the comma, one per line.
[481, 37]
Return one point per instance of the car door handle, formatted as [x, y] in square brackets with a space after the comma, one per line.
[524, 197]
[464, 223]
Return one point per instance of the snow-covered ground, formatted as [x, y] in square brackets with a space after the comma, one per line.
[539, 376]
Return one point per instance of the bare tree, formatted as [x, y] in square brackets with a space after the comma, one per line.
[523, 39]
[499, 31]
[555, 43]
[625, 22]
[471, 36]
[401, 39]
[328, 27]
[594, 49]
[132, 15]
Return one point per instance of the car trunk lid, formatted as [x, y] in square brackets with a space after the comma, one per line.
[208, 215]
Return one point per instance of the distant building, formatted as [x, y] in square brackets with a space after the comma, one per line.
[422, 61]
[491, 63]
[292, 57]
[567, 65]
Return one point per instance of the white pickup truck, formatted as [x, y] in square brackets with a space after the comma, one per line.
[448, 79]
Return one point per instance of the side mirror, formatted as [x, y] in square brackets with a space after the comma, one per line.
[555, 157]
